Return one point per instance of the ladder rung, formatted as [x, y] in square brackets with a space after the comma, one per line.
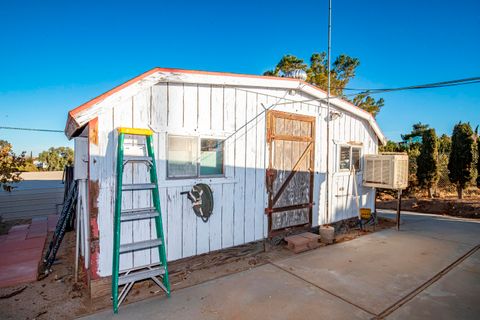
[136, 214]
[140, 245]
[138, 186]
[137, 159]
[141, 275]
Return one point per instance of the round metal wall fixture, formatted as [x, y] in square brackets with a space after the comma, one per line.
[202, 200]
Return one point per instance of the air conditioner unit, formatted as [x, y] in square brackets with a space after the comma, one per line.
[387, 170]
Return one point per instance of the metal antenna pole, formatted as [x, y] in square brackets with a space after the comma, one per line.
[327, 202]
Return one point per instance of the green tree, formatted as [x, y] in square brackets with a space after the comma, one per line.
[444, 144]
[9, 165]
[367, 103]
[56, 158]
[286, 64]
[427, 166]
[342, 71]
[391, 146]
[460, 162]
[414, 137]
[478, 162]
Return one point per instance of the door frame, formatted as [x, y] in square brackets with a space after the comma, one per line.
[271, 171]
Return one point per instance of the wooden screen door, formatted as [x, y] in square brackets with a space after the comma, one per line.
[290, 172]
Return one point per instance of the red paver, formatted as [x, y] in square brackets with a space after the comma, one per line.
[21, 252]
[19, 244]
[52, 222]
[18, 256]
[18, 227]
[17, 235]
[14, 274]
[37, 229]
[36, 233]
[3, 237]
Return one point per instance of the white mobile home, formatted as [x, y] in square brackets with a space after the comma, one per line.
[259, 142]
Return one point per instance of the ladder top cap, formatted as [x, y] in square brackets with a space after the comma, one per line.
[135, 131]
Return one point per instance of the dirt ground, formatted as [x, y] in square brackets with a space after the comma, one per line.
[469, 207]
[57, 296]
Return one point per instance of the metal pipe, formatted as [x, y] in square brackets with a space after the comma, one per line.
[327, 201]
[399, 206]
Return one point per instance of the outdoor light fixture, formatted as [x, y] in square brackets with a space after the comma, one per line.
[335, 115]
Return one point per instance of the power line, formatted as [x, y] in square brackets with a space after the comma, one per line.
[31, 129]
[441, 84]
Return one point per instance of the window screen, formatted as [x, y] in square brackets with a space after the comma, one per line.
[182, 156]
[356, 158]
[211, 157]
[344, 158]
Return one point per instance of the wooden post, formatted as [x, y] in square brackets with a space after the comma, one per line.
[399, 205]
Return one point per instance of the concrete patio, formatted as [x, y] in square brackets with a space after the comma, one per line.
[429, 269]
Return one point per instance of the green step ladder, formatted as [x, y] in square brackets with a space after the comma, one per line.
[157, 272]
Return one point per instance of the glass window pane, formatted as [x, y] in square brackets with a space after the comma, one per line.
[211, 157]
[182, 154]
[344, 158]
[356, 158]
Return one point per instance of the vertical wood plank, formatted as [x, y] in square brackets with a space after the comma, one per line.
[217, 122]
[227, 215]
[174, 204]
[190, 98]
[204, 107]
[215, 221]
[123, 117]
[175, 105]
[164, 206]
[251, 156]
[159, 106]
[102, 171]
[189, 227]
[260, 190]
[141, 199]
[240, 153]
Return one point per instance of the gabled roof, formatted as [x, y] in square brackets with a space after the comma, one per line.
[81, 115]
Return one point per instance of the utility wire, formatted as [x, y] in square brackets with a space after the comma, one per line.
[30, 129]
[422, 86]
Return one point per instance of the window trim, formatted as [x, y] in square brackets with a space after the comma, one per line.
[351, 147]
[197, 157]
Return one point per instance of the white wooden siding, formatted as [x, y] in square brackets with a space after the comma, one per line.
[240, 196]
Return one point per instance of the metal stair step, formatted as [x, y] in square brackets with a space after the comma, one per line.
[137, 159]
[141, 275]
[138, 186]
[137, 214]
[140, 245]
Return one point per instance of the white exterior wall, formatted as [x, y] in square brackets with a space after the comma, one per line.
[240, 197]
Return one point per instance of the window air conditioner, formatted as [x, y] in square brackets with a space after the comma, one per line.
[387, 170]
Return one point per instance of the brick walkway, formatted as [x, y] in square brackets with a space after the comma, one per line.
[21, 250]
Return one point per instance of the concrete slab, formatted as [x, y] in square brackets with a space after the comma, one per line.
[261, 293]
[440, 227]
[454, 296]
[376, 270]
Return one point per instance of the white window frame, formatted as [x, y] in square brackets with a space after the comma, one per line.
[351, 147]
[197, 157]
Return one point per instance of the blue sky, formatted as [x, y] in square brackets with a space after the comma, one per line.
[55, 55]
